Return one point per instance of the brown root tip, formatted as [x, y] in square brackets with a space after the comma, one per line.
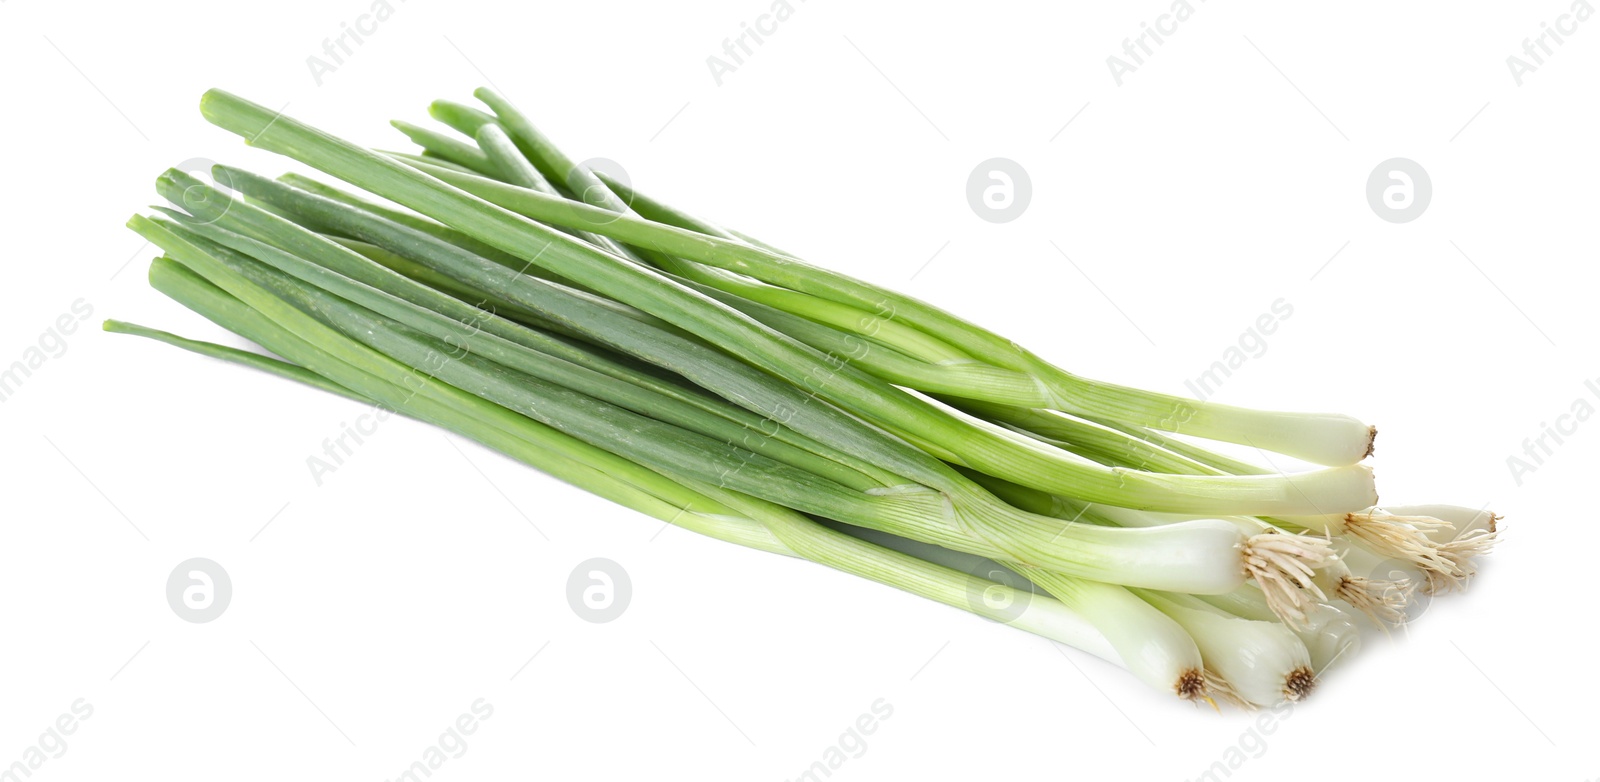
[1372, 440]
[1384, 602]
[1494, 521]
[1192, 685]
[1300, 682]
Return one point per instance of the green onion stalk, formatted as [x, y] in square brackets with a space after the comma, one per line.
[1149, 644]
[1323, 439]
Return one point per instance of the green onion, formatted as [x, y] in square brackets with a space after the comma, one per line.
[497, 288]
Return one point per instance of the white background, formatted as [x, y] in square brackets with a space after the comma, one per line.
[1225, 173]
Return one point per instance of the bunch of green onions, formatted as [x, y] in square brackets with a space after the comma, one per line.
[492, 286]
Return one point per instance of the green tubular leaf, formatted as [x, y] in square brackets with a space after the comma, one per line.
[510, 166]
[537, 148]
[463, 119]
[235, 356]
[513, 168]
[660, 212]
[455, 150]
[415, 222]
